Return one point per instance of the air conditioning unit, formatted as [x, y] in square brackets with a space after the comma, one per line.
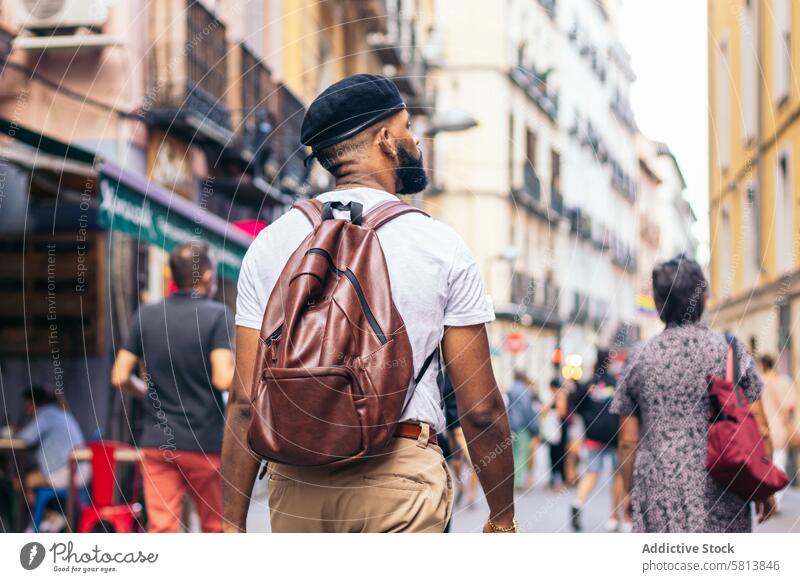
[55, 14]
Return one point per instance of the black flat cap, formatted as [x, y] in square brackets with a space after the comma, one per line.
[348, 107]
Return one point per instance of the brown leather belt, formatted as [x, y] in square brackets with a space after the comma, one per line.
[411, 430]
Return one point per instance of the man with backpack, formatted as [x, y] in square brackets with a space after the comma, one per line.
[592, 402]
[342, 305]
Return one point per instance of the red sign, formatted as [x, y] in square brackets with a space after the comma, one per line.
[516, 342]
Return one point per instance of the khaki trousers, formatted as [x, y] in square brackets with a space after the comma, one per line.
[407, 488]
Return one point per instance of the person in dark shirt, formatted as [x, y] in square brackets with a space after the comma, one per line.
[592, 402]
[184, 344]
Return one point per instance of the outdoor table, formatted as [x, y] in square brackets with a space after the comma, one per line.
[14, 450]
[82, 454]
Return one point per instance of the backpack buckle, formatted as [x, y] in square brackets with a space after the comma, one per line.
[356, 210]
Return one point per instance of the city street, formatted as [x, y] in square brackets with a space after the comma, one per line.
[543, 510]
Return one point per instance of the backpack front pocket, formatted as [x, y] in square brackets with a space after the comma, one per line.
[308, 416]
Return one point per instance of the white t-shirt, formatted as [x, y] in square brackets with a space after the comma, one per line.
[435, 283]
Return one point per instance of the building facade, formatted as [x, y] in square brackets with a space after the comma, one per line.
[599, 263]
[499, 184]
[129, 129]
[754, 149]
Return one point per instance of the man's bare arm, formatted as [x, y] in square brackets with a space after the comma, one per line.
[483, 416]
[122, 376]
[239, 465]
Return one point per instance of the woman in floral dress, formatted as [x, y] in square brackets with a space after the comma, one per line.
[663, 403]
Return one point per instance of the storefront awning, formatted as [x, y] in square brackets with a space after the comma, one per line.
[142, 209]
[46, 145]
[129, 203]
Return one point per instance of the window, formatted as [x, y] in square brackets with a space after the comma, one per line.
[784, 233]
[749, 73]
[722, 120]
[530, 148]
[781, 49]
[512, 183]
[725, 246]
[752, 238]
[555, 170]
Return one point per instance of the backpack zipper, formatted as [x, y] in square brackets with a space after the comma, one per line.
[269, 342]
[373, 323]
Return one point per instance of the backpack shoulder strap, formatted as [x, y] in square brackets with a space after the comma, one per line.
[312, 210]
[386, 211]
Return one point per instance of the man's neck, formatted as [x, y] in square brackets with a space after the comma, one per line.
[376, 181]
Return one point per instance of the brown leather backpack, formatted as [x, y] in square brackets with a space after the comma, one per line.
[334, 367]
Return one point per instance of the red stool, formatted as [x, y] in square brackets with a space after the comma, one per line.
[102, 513]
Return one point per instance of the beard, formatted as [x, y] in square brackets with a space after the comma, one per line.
[410, 173]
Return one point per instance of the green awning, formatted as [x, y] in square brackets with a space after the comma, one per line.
[44, 144]
[131, 204]
[141, 209]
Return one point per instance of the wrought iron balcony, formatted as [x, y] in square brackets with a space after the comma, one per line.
[532, 82]
[580, 309]
[532, 303]
[187, 71]
[531, 183]
[556, 200]
[550, 7]
[286, 165]
[257, 119]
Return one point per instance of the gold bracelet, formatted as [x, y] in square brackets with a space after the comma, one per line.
[497, 529]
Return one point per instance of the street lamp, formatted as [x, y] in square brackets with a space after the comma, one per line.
[450, 120]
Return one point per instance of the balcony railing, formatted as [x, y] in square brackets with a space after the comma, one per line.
[187, 76]
[289, 154]
[410, 76]
[531, 183]
[257, 92]
[386, 42]
[580, 309]
[537, 90]
[532, 302]
[523, 288]
[556, 200]
[549, 6]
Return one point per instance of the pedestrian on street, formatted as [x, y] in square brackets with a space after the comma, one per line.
[574, 429]
[523, 418]
[779, 407]
[663, 402]
[554, 431]
[360, 131]
[592, 402]
[184, 346]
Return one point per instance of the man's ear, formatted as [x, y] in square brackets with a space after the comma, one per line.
[386, 143]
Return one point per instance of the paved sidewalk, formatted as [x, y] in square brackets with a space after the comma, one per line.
[541, 510]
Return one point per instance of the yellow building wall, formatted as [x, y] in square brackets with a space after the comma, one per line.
[778, 127]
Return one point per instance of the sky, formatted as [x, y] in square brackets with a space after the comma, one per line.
[668, 47]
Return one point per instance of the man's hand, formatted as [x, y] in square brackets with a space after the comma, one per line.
[483, 417]
[122, 376]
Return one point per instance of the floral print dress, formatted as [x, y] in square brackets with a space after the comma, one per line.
[664, 384]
